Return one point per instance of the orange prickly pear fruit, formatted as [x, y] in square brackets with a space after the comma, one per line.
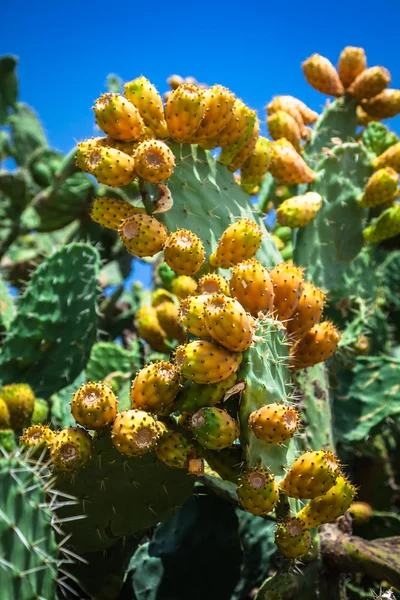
[150, 330]
[192, 315]
[142, 235]
[38, 437]
[212, 283]
[184, 286]
[143, 94]
[274, 423]
[127, 147]
[240, 241]
[154, 161]
[322, 75]
[234, 130]
[4, 415]
[386, 226]
[218, 105]
[287, 166]
[159, 296]
[94, 405]
[251, 284]
[369, 83]
[228, 323]
[232, 150]
[299, 210]
[184, 252]
[84, 147]
[135, 432]
[258, 492]
[20, 400]
[214, 428]
[293, 538]
[363, 118]
[184, 112]
[389, 158]
[168, 317]
[381, 188]
[383, 106]
[308, 312]
[282, 125]
[329, 506]
[308, 116]
[361, 512]
[288, 286]
[288, 105]
[315, 346]
[352, 62]
[155, 387]
[118, 117]
[174, 81]
[110, 166]
[111, 212]
[202, 361]
[175, 450]
[241, 157]
[312, 474]
[256, 166]
[71, 449]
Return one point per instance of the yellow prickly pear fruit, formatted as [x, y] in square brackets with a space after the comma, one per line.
[322, 75]
[363, 118]
[20, 401]
[251, 284]
[386, 226]
[383, 106]
[94, 405]
[288, 105]
[110, 166]
[202, 361]
[154, 161]
[361, 512]
[312, 474]
[174, 81]
[315, 346]
[184, 252]
[168, 317]
[213, 284]
[118, 117]
[329, 506]
[38, 437]
[308, 312]
[288, 286]
[159, 296]
[381, 188]
[192, 315]
[231, 150]
[228, 323]
[84, 147]
[293, 538]
[135, 432]
[352, 62]
[111, 212]
[274, 423]
[299, 210]
[287, 166]
[256, 166]
[234, 130]
[184, 286]
[218, 111]
[389, 158]
[241, 157]
[369, 83]
[184, 112]
[175, 450]
[214, 428]
[143, 94]
[71, 449]
[4, 415]
[150, 330]
[282, 125]
[127, 147]
[142, 235]
[240, 241]
[258, 492]
[155, 387]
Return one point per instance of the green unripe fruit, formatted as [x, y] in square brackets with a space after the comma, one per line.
[214, 428]
[258, 492]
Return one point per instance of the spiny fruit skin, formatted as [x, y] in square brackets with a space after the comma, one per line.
[287, 166]
[258, 492]
[155, 387]
[202, 361]
[184, 252]
[218, 105]
[143, 94]
[84, 147]
[234, 130]
[361, 512]
[20, 401]
[94, 405]
[274, 423]
[110, 166]
[288, 286]
[159, 296]
[71, 449]
[118, 117]
[127, 147]
[143, 235]
[149, 329]
[386, 226]
[293, 538]
[231, 150]
[256, 166]
[315, 346]
[251, 284]
[287, 105]
[352, 62]
[195, 395]
[192, 315]
[184, 286]
[174, 450]
[381, 188]
[245, 152]
[111, 212]
[184, 112]
[282, 125]
[312, 474]
[240, 241]
[38, 437]
[154, 161]
[4, 415]
[135, 432]
[214, 428]
[299, 210]
[329, 506]
[389, 158]
[309, 116]
[228, 323]
[212, 283]
[308, 312]
[369, 83]
[322, 75]
[168, 317]
[384, 105]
